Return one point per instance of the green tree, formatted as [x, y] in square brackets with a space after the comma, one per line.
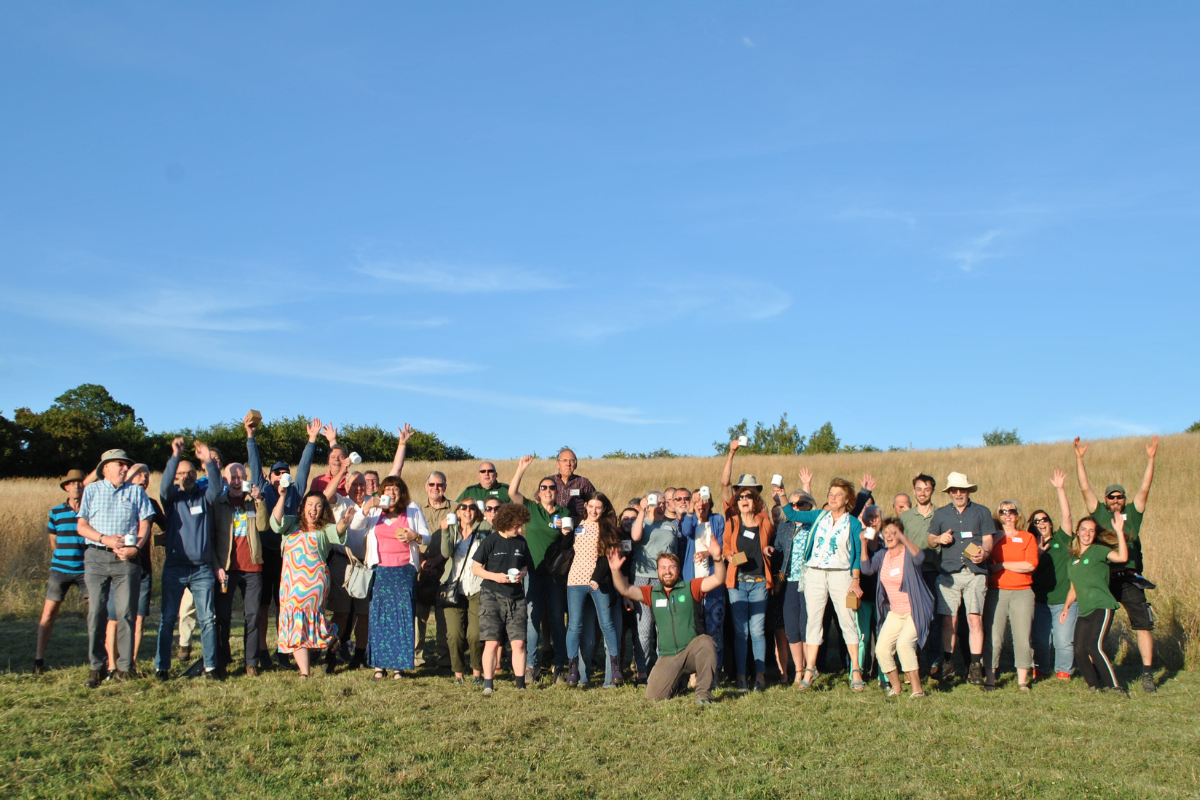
[1193, 428]
[823, 440]
[998, 437]
[781, 438]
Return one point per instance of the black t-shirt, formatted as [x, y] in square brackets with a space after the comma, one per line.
[748, 543]
[498, 554]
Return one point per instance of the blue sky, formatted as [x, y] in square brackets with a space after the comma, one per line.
[623, 226]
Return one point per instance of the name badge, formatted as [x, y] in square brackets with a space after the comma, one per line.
[1124, 517]
[626, 545]
[894, 572]
[251, 514]
[748, 534]
[494, 492]
[574, 493]
[967, 535]
[660, 603]
[1017, 539]
[196, 510]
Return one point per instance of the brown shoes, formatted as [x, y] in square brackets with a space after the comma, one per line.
[252, 672]
[94, 678]
[185, 653]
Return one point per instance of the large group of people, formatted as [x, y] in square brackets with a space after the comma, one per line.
[356, 567]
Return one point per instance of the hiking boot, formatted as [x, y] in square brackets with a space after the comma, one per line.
[252, 671]
[975, 674]
[119, 676]
[284, 660]
[95, 677]
[1148, 682]
[946, 674]
[162, 675]
[185, 653]
[535, 674]
[39, 666]
[573, 672]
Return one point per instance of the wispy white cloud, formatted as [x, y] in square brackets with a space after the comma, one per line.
[458, 278]
[748, 42]
[976, 251]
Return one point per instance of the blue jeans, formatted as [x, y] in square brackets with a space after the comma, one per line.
[1049, 633]
[576, 597]
[543, 595]
[587, 641]
[202, 581]
[714, 622]
[748, 602]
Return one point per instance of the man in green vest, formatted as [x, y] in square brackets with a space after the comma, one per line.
[683, 647]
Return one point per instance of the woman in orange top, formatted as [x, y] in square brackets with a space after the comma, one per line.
[1010, 595]
[748, 530]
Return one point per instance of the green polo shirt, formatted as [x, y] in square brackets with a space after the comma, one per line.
[540, 531]
[1133, 527]
[477, 492]
[1089, 576]
[1050, 581]
[916, 530]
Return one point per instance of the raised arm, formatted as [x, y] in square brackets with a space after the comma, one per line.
[306, 458]
[615, 560]
[1059, 482]
[1139, 500]
[335, 479]
[717, 579]
[806, 477]
[277, 513]
[253, 457]
[403, 436]
[635, 530]
[1090, 501]
[727, 474]
[166, 487]
[215, 486]
[514, 488]
[1121, 554]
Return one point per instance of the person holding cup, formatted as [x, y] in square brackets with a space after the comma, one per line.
[394, 529]
[652, 533]
[699, 528]
[239, 519]
[502, 562]
[749, 579]
[791, 540]
[463, 530]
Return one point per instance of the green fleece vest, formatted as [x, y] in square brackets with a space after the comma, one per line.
[676, 617]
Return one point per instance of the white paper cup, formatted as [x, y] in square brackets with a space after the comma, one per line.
[567, 523]
[245, 487]
[452, 518]
[385, 500]
[355, 459]
[777, 480]
[513, 574]
[652, 500]
[743, 441]
[285, 480]
[869, 534]
[705, 493]
[131, 540]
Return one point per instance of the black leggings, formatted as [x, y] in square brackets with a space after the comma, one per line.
[1090, 659]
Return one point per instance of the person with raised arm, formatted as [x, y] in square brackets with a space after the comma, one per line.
[190, 554]
[545, 594]
[571, 490]
[339, 454]
[697, 529]
[1053, 641]
[1010, 595]
[344, 607]
[904, 605]
[792, 539]
[652, 533]
[684, 649]
[272, 487]
[1092, 552]
[1128, 585]
[239, 519]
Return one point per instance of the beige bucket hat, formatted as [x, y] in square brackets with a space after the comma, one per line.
[957, 480]
[748, 481]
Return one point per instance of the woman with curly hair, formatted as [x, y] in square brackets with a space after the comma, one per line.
[589, 577]
[1092, 551]
[307, 539]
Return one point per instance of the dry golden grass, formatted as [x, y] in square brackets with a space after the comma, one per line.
[1171, 550]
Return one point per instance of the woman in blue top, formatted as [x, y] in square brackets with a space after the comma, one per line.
[832, 560]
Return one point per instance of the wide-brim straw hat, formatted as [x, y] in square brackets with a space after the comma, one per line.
[748, 481]
[957, 480]
[73, 475]
[112, 455]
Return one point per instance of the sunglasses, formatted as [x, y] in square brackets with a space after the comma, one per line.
[467, 507]
[1041, 520]
[487, 472]
[745, 497]
[1008, 512]
[1116, 496]
[546, 487]
[436, 485]
[492, 509]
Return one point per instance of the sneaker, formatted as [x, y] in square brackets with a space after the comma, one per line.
[94, 678]
[741, 685]
[975, 674]
[1148, 682]
[560, 677]
[1063, 676]
[459, 682]
[702, 701]
[476, 680]
[214, 674]
[535, 674]
[760, 687]
[487, 691]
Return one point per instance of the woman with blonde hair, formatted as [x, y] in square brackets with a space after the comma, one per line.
[833, 573]
[1091, 553]
[1009, 598]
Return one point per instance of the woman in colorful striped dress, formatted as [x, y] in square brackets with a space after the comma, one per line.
[306, 544]
[395, 530]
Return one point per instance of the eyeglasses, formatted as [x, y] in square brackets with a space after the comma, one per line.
[567, 461]
[745, 497]
[436, 485]
[683, 498]
[1008, 512]
[1042, 520]
[487, 472]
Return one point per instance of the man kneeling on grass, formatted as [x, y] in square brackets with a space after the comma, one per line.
[502, 561]
[684, 649]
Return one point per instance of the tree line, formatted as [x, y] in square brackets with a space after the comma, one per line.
[85, 421]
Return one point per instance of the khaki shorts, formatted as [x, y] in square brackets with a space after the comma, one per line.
[961, 588]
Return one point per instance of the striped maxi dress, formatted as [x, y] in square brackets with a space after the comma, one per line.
[302, 595]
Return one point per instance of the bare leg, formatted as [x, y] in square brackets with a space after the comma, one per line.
[138, 627]
[852, 649]
[782, 657]
[894, 679]
[301, 655]
[798, 659]
[975, 625]
[518, 659]
[1023, 677]
[491, 650]
[950, 634]
[810, 656]
[46, 627]
[1146, 647]
[110, 644]
[914, 678]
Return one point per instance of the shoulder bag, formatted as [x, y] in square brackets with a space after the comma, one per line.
[359, 578]
[450, 593]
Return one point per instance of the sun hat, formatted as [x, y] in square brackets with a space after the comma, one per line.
[112, 455]
[73, 475]
[748, 481]
[1115, 487]
[957, 480]
[135, 469]
[805, 497]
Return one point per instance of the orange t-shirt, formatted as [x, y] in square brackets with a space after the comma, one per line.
[1020, 546]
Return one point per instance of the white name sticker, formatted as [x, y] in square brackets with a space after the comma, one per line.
[251, 514]
[574, 493]
[748, 534]
[626, 545]
[196, 510]
[967, 535]
[660, 603]
[1017, 539]
[1124, 517]
[894, 572]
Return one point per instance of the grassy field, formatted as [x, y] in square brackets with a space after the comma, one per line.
[345, 736]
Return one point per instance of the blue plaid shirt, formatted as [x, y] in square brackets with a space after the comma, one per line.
[114, 510]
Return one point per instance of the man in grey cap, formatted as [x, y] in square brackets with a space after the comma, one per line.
[964, 531]
[1126, 582]
[114, 518]
[270, 488]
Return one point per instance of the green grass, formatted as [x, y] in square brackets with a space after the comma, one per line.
[346, 736]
